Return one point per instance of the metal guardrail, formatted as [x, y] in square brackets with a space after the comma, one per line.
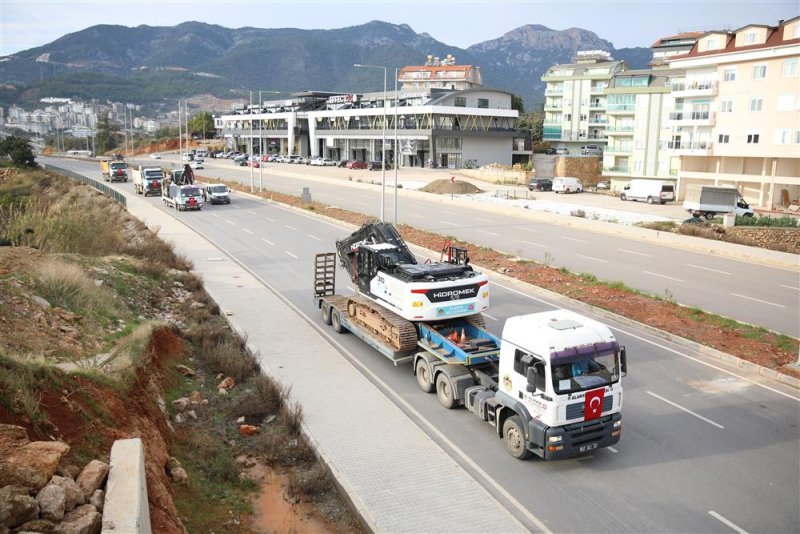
[91, 182]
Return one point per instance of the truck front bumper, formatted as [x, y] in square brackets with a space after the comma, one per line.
[557, 443]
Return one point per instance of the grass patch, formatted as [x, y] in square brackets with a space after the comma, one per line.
[68, 286]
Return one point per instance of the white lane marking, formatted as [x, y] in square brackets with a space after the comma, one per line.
[248, 231]
[237, 207]
[612, 449]
[489, 316]
[687, 410]
[707, 268]
[791, 287]
[483, 220]
[290, 227]
[230, 222]
[573, 239]
[531, 230]
[416, 215]
[734, 526]
[270, 219]
[292, 255]
[662, 276]
[251, 212]
[449, 223]
[215, 215]
[635, 253]
[758, 300]
[660, 346]
[314, 237]
[487, 232]
[267, 241]
[591, 258]
[535, 244]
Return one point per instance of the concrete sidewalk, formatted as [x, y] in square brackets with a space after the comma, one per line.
[398, 479]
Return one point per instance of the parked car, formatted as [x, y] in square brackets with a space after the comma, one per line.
[567, 184]
[241, 159]
[155, 156]
[343, 163]
[294, 159]
[327, 162]
[253, 163]
[651, 191]
[603, 185]
[540, 184]
[591, 150]
[374, 166]
[356, 164]
[550, 151]
[562, 151]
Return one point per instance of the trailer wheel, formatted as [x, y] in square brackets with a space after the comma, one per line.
[444, 390]
[514, 438]
[336, 321]
[326, 313]
[424, 376]
[709, 215]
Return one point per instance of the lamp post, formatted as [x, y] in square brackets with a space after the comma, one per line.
[261, 140]
[383, 139]
[250, 112]
[396, 146]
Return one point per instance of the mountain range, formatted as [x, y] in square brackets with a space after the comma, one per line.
[148, 64]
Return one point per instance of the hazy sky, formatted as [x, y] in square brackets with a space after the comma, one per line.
[29, 23]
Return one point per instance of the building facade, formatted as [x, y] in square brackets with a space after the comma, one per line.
[575, 109]
[737, 112]
[439, 74]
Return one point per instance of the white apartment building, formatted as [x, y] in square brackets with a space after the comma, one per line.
[439, 74]
[575, 100]
[736, 114]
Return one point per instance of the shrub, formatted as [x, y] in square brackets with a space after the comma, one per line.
[767, 221]
[69, 287]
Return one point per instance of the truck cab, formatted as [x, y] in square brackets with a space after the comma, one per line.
[559, 385]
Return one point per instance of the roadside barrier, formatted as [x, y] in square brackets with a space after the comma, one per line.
[103, 188]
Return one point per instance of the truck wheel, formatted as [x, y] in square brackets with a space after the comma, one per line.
[424, 376]
[444, 390]
[336, 321]
[650, 200]
[514, 438]
[623, 197]
[326, 313]
[708, 216]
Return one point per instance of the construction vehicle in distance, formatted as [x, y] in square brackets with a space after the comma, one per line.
[147, 180]
[550, 385]
[177, 191]
[114, 171]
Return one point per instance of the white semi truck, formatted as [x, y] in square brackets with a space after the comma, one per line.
[550, 385]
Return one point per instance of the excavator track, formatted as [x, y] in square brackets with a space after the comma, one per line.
[392, 329]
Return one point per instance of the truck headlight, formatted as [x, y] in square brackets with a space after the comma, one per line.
[416, 304]
[618, 424]
[555, 439]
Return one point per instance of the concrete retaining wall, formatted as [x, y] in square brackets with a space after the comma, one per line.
[126, 510]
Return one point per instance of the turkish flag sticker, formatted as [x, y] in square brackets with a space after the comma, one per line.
[593, 404]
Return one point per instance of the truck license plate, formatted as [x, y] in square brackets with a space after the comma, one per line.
[588, 447]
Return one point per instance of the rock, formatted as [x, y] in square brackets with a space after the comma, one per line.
[222, 391]
[181, 404]
[52, 500]
[40, 301]
[16, 506]
[177, 284]
[12, 437]
[179, 418]
[98, 283]
[248, 430]
[84, 519]
[195, 397]
[227, 383]
[240, 420]
[173, 463]
[32, 464]
[250, 462]
[98, 499]
[270, 419]
[92, 477]
[185, 371]
[205, 402]
[70, 471]
[219, 376]
[191, 414]
[241, 459]
[72, 492]
[179, 476]
[40, 526]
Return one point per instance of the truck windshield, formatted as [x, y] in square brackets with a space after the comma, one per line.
[585, 373]
[190, 192]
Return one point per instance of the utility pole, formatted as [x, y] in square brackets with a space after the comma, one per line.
[396, 146]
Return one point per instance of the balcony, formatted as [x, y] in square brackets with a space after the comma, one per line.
[598, 121]
[618, 149]
[598, 136]
[694, 89]
[619, 130]
[616, 170]
[692, 118]
[597, 89]
[621, 109]
[689, 148]
[597, 104]
[553, 107]
[553, 92]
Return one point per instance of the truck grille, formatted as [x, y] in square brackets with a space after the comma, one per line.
[575, 410]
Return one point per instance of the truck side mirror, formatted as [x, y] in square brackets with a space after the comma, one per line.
[535, 379]
[623, 361]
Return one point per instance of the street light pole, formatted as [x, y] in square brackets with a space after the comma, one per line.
[396, 146]
[383, 140]
[250, 112]
[261, 139]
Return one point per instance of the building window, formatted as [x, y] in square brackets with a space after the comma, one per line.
[724, 139]
[726, 106]
[583, 117]
[729, 75]
[750, 38]
[460, 102]
[759, 72]
[783, 137]
[752, 138]
[637, 165]
[797, 132]
[483, 103]
[797, 31]
[790, 68]
[756, 104]
[712, 44]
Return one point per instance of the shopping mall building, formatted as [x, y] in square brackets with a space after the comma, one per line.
[440, 116]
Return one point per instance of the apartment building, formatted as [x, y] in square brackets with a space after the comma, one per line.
[736, 114]
[575, 100]
[439, 74]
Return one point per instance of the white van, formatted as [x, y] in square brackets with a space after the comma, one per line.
[650, 190]
[567, 184]
[201, 153]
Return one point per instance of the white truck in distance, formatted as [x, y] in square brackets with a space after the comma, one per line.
[709, 201]
[147, 180]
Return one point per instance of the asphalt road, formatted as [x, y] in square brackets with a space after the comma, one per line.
[756, 294]
[705, 448]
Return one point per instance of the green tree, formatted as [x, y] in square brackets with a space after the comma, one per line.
[202, 123]
[104, 141]
[18, 150]
[166, 132]
[533, 124]
[517, 103]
